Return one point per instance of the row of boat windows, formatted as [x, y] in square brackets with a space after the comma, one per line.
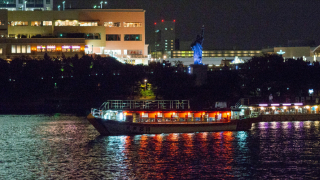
[70, 23]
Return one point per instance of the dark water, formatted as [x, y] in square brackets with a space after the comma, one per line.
[68, 147]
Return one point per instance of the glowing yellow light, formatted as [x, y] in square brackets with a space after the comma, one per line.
[316, 107]
[262, 108]
[284, 107]
[307, 107]
[297, 107]
[273, 108]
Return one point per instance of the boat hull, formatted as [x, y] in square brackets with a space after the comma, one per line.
[111, 127]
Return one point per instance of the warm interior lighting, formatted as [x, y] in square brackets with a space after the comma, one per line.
[262, 108]
[142, 113]
[297, 107]
[284, 107]
[273, 108]
[307, 107]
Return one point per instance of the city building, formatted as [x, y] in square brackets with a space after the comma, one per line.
[164, 41]
[26, 5]
[119, 33]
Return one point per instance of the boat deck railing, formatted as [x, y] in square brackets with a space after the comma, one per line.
[175, 121]
[145, 104]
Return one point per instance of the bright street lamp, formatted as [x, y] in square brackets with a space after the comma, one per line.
[105, 2]
[63, 3]
[164, 57]
[145, 85]
[25, 5]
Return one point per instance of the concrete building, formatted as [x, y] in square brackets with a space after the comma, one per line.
[108, 32]
[26, 5]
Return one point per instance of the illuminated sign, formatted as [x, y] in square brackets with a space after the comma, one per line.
[281, 52]
[51, 47]
[75, 47]
[65, 47]
[263, 104]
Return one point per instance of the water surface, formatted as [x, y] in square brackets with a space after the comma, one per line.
[68, 147]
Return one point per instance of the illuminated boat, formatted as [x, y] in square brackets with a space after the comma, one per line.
[118, 117]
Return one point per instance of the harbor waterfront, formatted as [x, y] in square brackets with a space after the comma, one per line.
[68, 147]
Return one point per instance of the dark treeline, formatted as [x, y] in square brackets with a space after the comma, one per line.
[87, 82]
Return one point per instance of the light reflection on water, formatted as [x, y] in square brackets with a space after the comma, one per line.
[68, 147]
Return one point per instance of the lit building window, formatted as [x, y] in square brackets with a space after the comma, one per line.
[2, 23]
[35, 23]
[28, 49]
[18, 23]
[93, 36]
[165, 28]
[41, 48]
[0, 50]
[18, 49]
[47, 23]
[132, 24]
[114, 52]
[132, 37]
[113, 37]
[171, 40]
[66, 48]
[66, 23]
[112, 24]
[13, 49]
[23, 49]
[51, 48]
[75, 48]
[88, 23]
[134, 52]
[171, 29]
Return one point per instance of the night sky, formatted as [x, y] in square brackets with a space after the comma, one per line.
[240, 24]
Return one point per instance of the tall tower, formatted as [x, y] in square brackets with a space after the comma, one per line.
[165, 37]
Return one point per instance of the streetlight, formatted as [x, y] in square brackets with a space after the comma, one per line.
[102, 3]
[145, 85]
[25, 5]
[63, 3]
[59, 8]
[164, 57]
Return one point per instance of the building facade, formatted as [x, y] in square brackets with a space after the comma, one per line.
[107, 32]
[26, 5]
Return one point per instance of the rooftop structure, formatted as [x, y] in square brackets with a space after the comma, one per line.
[26, 5]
